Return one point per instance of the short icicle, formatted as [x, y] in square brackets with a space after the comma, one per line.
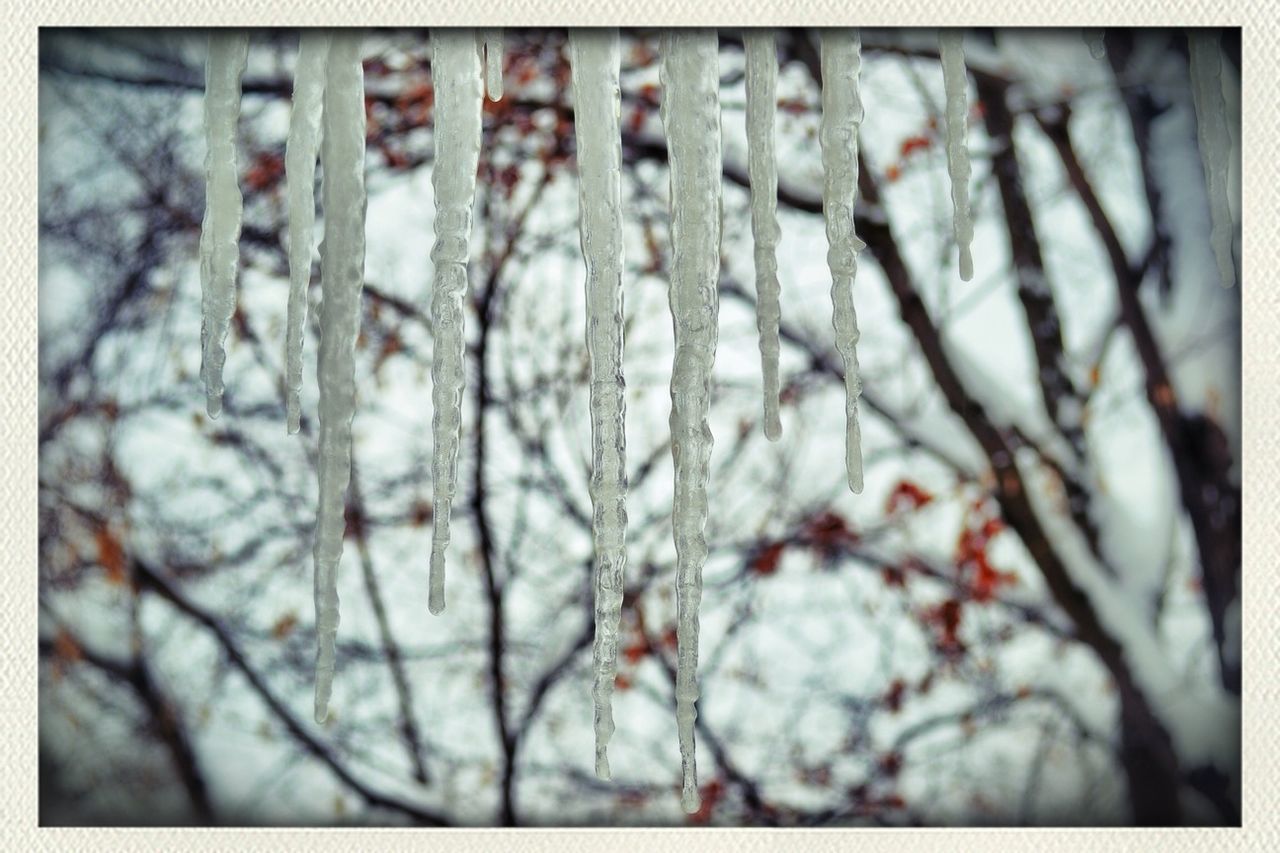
[690, 109]
[1215, 144]
[841, 116]
[224, 207]
[301, 150]
[595, 58]
[341, 280]
[762, 170]
[956, 84]
[491, 39]
[1096, 39]
[455, 71]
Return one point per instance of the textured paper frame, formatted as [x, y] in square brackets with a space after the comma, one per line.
[19, 828]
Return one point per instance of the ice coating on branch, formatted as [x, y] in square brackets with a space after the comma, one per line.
[1095, 38]
[224, 208]
[841, 117]
[341, 280]
[690, 82]
[1215, 144]
[955, 81]
[762, 170]
[595, 59]
[491, 41]
[455, 70]
[300, 173]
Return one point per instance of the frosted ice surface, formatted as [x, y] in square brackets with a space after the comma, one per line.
[224, 209]
[301, 150]
[841, 116]
[762, 170]
[595, 58]
[1215, 144]
[690, 81]
[341, 280]
[455, 69]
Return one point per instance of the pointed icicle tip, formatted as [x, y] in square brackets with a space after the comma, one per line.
[853, 450]
[602, 766]
[435, 596]
[855, 475]
[690, 800]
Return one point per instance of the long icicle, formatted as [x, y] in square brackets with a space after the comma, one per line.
[300, 173]
[595, 59]
[224, 207]
[1215, 144]
[341, 279]
[841, 117]
[955, 81]
[690, 82]
[455, 72]
[491, 40]
[762, 170]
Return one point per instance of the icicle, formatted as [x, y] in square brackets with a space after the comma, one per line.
[956, 82]
[595, 58]
[300, 172]
[455, 71]
[690, 109]
[841, 116]
[341, 280]
[492, 44]
[762, 169]
[220, 231]
[1095, 38]
[1215, 144]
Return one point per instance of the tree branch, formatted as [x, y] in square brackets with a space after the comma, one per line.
[166, 720]
[1197, 447]
[150, 579]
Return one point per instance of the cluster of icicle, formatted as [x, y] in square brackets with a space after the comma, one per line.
[328, 123]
